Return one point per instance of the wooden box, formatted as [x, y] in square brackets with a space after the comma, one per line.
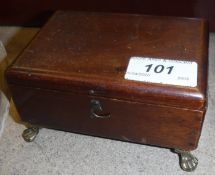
[72, 77]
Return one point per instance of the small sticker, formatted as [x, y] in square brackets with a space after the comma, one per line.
[164, 71]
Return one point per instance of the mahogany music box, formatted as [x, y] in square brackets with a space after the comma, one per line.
[135, 78]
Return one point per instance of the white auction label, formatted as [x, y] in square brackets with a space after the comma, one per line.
[164, 71]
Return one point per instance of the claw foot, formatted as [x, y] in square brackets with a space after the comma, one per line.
[188, 162]
[30, 134]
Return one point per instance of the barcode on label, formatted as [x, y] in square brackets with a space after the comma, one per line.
[164, 71]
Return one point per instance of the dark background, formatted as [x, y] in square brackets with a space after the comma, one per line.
[36, 12]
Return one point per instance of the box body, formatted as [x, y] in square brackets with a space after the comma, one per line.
[81, 57]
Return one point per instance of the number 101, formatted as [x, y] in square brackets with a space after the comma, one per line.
[159, 68]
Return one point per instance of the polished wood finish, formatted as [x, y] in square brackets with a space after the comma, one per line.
[130, 121]
[87, 51]
[81, 56]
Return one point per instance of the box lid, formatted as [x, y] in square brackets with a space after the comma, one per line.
[89, 53]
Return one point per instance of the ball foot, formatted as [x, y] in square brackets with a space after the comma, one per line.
[30, 134]
[188, 162]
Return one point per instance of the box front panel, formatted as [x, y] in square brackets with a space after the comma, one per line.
[110, 118]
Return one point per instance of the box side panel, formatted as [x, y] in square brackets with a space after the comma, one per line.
[129, 121]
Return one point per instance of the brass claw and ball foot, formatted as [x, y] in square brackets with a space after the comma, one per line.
[30, 134]
[188, 162]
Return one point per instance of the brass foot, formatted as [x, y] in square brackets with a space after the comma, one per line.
[188, 162]
[30, 134]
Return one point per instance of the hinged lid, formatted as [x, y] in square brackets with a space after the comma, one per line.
[89, 53]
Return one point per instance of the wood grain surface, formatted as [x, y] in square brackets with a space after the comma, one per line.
[130, 121]
[77, 57]
[91, 51]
